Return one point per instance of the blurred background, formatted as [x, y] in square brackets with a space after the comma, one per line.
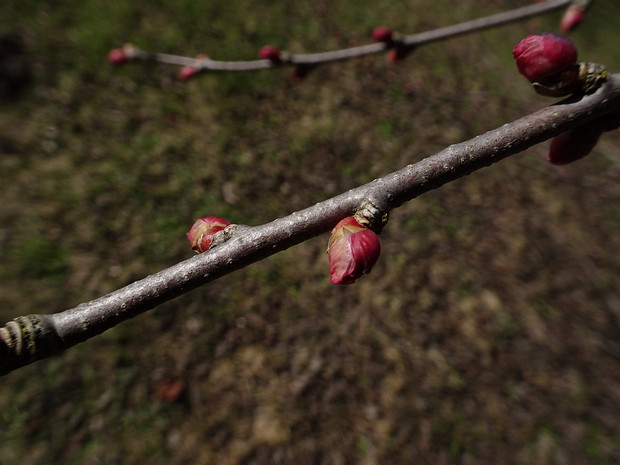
[489, 331]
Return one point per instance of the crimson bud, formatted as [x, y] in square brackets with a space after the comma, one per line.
[572, 145]
[187, 72]
[202, 232]
[352, 250]
[117, 56]
[573, 16]
[382, 34]
[271, 53]
[541, 56]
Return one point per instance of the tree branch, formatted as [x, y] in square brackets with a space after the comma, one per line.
[313, 59]
[32, 337]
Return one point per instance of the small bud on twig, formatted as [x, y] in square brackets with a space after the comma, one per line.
[572, 145]
[187, 72]
[201, 233]
[572, 18]
[352, 250]
[549, 61]
[117, 57]
[383, 34]
[271, 53]
[578, 142]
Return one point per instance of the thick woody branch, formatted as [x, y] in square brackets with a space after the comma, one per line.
[312, 59]
[32, 337]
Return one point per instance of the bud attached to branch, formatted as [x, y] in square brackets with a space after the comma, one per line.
[202, 232]
[353, 250]
[572, 18]
[383, 34]
[117, 57]
[120, 56]
[580, 141]
[572, 145]
[550, 63]
[271, 53]
[188, 72]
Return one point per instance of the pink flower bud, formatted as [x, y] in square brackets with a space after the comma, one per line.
[572, 18]
[353, 250]
[382, 34]
[271, 53]
[202, 232]
[541, 56]
[187, 72]
[117, 56]
[572, 145]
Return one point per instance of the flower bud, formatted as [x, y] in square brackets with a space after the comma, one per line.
[271, 53]
[541, 56]
[187, 72]
[572, 18]
[352, 250]
[572, 145]
[202, 232]
[382, 34]
[117, 56]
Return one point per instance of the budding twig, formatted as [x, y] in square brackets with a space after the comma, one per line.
[32, 337]
[402, 44]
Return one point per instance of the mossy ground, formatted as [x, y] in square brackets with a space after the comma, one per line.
[487, 333]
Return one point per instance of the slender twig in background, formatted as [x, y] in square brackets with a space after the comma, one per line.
[32, 337]
[407, 42]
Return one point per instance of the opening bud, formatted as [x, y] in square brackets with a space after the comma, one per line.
[202, 231]
[352, 250]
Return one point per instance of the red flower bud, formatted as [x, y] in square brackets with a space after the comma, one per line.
[271, 53]
[117, 56]
[382, 34]
[572, 145]
[542, 56]
[187, 72]
[572, 18]
[202, 232]
[353, 250]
